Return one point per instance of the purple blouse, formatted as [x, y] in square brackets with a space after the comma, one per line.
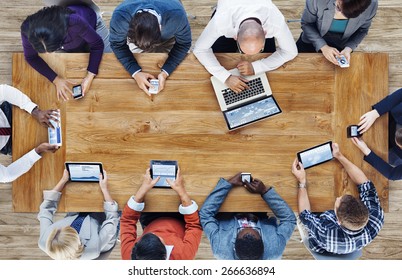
[81, 34]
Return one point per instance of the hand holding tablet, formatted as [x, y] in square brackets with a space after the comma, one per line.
[165, 169]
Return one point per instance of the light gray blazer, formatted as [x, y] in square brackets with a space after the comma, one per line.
[97, 236]
[317, 18]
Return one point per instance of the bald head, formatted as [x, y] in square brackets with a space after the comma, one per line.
[251, 37]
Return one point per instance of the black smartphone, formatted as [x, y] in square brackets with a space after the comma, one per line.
[77, 92]
[352, 131]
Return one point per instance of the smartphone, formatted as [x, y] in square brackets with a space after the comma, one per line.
[77, 92]
[154, 86]
[352, 131]
[246, 177]
[342, 61]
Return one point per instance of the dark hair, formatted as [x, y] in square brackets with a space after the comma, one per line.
[352, 213]
[353, 8]
[149, 247]
[47, 28]
[249, 247]
[398, 136]
[144, 31]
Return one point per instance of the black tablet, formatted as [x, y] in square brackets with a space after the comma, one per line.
[84, 171]
[165, 169]
[315, 155]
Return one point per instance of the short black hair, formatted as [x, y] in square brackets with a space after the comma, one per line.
[144, 31]
[249, 247]
[352, 213]
[47, 28]
[353, 8]
[149, 247]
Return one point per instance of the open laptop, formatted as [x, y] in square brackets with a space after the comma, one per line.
[249, 106]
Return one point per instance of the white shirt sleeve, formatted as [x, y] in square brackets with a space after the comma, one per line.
[18, 167]
[203, 51]
[16, 97]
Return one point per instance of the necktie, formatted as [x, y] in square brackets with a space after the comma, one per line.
[77, 223]
[5, 130]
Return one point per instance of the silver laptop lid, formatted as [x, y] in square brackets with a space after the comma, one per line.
[227, 99]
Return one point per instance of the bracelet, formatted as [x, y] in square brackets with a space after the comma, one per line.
[302, 185]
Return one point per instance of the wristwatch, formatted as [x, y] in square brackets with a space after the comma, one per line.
[302, 185]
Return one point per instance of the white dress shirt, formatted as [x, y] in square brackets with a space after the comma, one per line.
[226, 21]
[22, 165]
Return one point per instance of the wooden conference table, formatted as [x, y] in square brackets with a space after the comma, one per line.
[120, 126]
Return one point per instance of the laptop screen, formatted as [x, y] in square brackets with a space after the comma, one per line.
[251, 112]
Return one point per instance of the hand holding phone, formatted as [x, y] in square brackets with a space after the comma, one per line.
[352, 131]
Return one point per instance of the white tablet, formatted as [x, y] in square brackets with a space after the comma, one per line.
[84, 171]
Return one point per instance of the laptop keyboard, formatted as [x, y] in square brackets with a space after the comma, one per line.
[255, 88]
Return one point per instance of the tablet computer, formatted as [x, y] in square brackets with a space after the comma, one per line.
[315, 155]
[84, 171]
[165, 169]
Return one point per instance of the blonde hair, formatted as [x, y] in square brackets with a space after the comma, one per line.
[64, 244]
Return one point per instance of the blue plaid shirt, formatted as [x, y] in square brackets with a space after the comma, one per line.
[326, 235]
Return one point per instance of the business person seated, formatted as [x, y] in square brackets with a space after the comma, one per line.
[75, 28]
[354, 222]
[335, 27]
[239, 26]
[150, 26]
[11, 96]
[166, 236]
[393, 104]
[247, 236]
[81, 236]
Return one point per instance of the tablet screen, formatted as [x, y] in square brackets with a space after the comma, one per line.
[316, 155]
[84, 171]
[166, 169]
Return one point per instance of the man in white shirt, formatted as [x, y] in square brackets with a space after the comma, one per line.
[250, 27]
[22, 165]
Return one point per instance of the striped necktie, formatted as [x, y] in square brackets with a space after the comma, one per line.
[77, 223]
[5, 131]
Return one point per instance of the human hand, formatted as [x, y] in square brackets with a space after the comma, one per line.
[178, 186]
[142, 80]
[62, 182]
[162, 79]
[335, 150]
[63, 87]
[236, 83]
[245, 68]
[103, 181]
[298, 171]
[44, 117]
[147, 184]
[330, 54]
[256, 186]
[361, 145]
[346, 52]
[367, 120]
[87, 82]
[46, 147]
[236, 180]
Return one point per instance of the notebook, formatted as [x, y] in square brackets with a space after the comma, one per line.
[249, 106]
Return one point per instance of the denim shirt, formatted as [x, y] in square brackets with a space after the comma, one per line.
[174, 25]
[222, 233]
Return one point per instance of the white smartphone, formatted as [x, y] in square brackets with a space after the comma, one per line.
[246, 177]
[342, 61]
[154, 86]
